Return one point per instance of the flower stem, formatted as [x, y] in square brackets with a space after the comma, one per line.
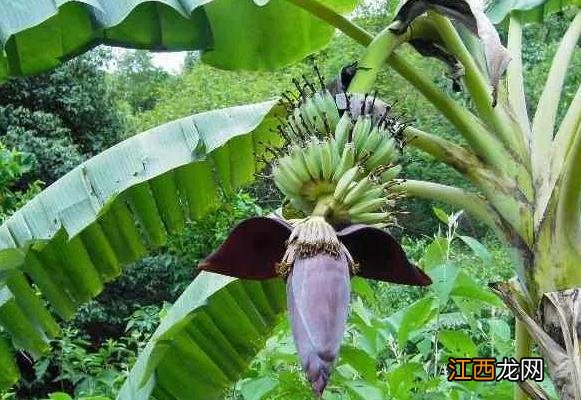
[375, 57]
[449, 153]
[324, 207]
[483, 143]
[459, 198]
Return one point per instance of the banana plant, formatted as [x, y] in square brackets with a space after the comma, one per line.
[526, 169]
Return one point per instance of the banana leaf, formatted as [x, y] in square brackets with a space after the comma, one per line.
[64, 245]
[207, 339]
[37, 35]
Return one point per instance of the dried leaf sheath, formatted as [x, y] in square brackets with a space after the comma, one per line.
[318, 290]
[469, 13]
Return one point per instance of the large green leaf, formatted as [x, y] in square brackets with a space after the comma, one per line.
[78, 233]
[37, 35]
[207, 339]
[531, 10]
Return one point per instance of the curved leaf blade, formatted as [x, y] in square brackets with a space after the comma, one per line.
[76, 235]
[37, 35]
[207, 339]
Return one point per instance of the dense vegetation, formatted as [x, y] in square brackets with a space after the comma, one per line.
[397, 337]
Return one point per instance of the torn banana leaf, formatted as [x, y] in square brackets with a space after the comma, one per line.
[64, 245]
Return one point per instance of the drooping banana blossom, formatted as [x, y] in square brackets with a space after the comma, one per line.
[336, 172]
[317, 263]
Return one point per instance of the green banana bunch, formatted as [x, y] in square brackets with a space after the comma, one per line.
[343, 159]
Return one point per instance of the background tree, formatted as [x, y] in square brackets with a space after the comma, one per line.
[138, 81]
[62, 117]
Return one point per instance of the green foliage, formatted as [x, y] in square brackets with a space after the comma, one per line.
[398, 338]
[202, 88]
[532, 10]
[541, 45]
[254, 37]
[94, 355]
[127, 212]
[64, 396]
[215, 328]
[78, 94]
[82, 369]
[87, 369]
[44, 137]
[13, 165]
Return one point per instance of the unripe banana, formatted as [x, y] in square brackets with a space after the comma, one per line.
[373, 140]
[295, 130]
[360, 132]
[370, 218]
[367, 206]
[327, 109]
[302, 155]
[312, 113]
[296, 165]
[343, 184]
[312, 161]
[319, 151]
[391, 173]
[330, 152]
[346, 161]
[288, 179]
[336, 155]
[377, 191]
[327, 159]
[301, 204]
[302, 124]
[342, 131]
[286, 187]
[358, 191]
[384, 154]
